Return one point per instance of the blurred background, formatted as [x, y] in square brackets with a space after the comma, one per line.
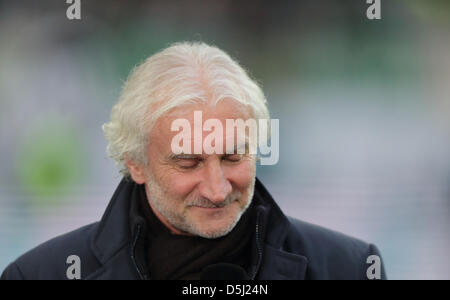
[364, 109]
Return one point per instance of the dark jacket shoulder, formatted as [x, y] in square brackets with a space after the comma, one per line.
[330, 254]
[50, 259]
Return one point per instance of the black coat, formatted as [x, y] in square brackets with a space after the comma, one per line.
[291, 249]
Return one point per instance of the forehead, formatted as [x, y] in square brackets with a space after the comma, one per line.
[161, 134]
[225, 109]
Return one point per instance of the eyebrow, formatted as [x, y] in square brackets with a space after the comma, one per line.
[184, 156]
[199, 156]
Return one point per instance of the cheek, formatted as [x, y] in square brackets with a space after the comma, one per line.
[179, 185]
[175, 184]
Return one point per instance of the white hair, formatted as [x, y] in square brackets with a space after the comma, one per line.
[183, 73]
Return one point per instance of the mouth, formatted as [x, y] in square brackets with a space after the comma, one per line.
[210, 208]
[211, 211]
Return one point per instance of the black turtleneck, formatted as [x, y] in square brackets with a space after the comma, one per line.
[171, 256]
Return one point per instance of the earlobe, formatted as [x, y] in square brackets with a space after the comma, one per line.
[137, 172]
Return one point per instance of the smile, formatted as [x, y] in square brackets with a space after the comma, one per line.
[210, 209]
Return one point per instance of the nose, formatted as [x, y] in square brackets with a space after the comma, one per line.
[215, 185]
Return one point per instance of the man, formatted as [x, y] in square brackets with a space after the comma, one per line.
[190, 205]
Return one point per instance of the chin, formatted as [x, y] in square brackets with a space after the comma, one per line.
[213, 233]
[215, 228]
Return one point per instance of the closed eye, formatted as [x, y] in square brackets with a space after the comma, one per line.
[186, 161]
[233, 157]
[192, 161]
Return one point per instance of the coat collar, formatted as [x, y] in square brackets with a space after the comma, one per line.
[113, 232]
[116, 234]
[278, 262]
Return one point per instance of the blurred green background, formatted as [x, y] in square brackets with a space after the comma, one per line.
[364, 109]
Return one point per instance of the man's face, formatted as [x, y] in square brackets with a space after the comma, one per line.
[199, 194]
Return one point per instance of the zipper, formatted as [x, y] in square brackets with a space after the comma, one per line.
[133, 258]
[258, 247]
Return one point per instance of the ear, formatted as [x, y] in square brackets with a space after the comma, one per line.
[137, 171]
